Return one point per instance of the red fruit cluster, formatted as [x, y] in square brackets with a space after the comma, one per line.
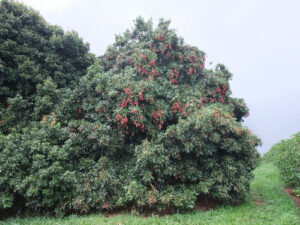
[129, 98]
[192, 71]
[152, 63]
[174, 76]
[222, 91]
[143, 70]
[217, 114]
[79, 112]
[161, 38]
[131, 60]
[124, 103]
[138, 123]
[144, 56]
[128, 91]
[105, 205]
[157, 118]
[141, 96]
[176, 107]
[123, 121]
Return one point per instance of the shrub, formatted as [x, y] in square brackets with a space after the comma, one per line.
[148, 126]
[35, 170]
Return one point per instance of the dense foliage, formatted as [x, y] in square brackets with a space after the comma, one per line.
[148, 126]
[31, 51]
[286, 155]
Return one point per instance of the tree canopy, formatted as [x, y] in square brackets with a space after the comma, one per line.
[148, 126]
[31, 52]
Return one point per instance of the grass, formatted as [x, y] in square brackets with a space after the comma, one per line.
[267, 204]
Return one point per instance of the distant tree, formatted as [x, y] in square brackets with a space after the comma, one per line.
[286, 156]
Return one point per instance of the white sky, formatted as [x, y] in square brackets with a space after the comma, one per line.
[258, 40]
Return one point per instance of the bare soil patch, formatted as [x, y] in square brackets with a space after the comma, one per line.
[203, 203]
[290, 192]
[258, 202]
[206, 203]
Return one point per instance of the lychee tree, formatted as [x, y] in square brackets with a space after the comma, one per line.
[173, 132]
[148, 126]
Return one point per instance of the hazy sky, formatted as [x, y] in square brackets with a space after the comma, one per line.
[258, 40]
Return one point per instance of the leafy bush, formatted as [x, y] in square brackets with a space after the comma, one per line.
[34, 169]
[286, 155]
[148, 126]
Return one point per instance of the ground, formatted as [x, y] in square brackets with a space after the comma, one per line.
[267, 204]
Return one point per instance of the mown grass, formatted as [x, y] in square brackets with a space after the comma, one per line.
[267, 204]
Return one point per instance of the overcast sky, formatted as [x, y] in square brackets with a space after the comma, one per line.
[258, 40]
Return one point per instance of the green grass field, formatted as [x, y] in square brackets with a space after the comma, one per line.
[267, 204]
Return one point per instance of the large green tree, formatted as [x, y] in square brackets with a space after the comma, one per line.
[173, 124]
[147, 125]
[31, 52]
